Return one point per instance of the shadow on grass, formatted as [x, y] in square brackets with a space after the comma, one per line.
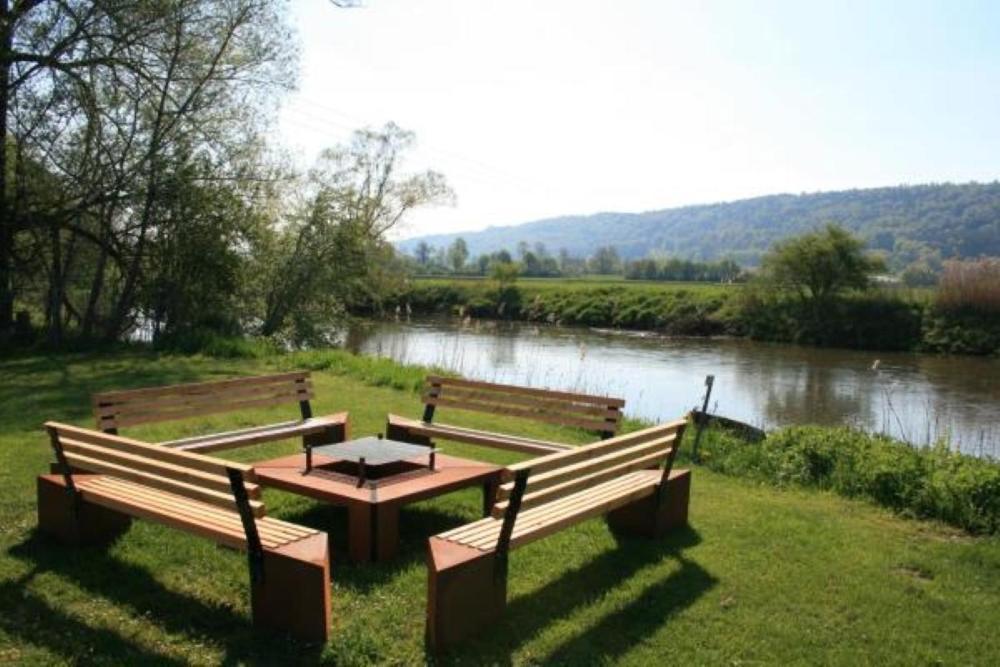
[34, 621]
[528, 616]
[416, 523]
[25, 402]
[134, 588]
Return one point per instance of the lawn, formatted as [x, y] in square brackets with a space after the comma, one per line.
[761, 575]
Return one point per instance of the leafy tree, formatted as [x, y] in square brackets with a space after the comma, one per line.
[605, 261]
[819, 266]
[458, 254]
[329, 253]
[423, 253]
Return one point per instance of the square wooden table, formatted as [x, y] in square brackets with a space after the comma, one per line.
[374, 499]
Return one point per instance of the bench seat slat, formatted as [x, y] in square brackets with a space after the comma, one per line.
[253, 435]
[175, 506]
[490, 526]
[533, 525]
[272, 532]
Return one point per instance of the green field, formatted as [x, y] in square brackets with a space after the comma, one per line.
[762, 575]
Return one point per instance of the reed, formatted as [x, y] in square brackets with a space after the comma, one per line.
[970, 286]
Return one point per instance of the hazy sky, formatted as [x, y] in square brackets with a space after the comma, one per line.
[537, 109]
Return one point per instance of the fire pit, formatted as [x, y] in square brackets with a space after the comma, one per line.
[371, 459]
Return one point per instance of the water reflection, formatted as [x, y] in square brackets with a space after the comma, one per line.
[916, 397]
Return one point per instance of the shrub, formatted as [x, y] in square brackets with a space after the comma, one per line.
[931, 483]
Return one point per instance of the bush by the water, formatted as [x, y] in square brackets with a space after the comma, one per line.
[933, 482]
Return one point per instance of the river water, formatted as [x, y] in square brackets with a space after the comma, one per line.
[917, 398]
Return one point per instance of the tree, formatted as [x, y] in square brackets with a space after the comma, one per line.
[819, 266]
[605, 261]
[458, 254]
[329, 253]
[422, 253]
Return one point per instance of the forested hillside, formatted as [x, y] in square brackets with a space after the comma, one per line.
[907, 222]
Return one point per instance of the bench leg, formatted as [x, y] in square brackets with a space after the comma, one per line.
[464, 595]
[654, 516]
[82, 524]
[294, 596]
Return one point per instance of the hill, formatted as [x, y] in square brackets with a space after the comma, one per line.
[907, 222]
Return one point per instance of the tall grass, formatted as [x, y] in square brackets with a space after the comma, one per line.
[969, 286]
[931, 482]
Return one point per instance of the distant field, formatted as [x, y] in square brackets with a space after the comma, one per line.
[582, 282]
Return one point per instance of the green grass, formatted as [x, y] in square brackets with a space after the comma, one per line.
[762, 575]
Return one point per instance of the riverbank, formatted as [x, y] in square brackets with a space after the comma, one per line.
[892, 319]
[856, 582]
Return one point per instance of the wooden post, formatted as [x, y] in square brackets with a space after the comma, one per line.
[703, 418]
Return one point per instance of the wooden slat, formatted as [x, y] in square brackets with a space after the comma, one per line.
[170, 470]
[554, 405]
[552, 518]
[280, 394]
[207, 464]
[173, 505]
[592, 425]
[486, 438]
[133, 420]
[537, 482]
[126, 394]
[599, 448]
[219, 441]
[575, 484]
[484, 533]
[118, 503]
[151, 413]
[156, 481]
[530, 391]
[196, 393]
[272, 529]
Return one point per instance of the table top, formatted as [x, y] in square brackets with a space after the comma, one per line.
[375, 451]
[450, 473]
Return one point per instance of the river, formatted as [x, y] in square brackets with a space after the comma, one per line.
[917, 398]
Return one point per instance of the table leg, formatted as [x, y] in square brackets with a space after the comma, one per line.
[386, 531]
[359, 532]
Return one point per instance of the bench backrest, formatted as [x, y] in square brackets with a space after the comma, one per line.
[595, 413]
[557, 475]
[202, 478]
[115, 409]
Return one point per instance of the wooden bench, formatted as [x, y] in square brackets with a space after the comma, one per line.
[629, 479]
[116, 409]
[595, 413]
[102, 481]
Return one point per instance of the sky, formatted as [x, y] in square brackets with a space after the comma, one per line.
[552, 107]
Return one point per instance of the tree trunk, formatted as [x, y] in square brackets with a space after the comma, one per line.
[6, 223]
[56, 288]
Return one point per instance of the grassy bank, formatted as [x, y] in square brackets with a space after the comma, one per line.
[764, 574]
[879, 320]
